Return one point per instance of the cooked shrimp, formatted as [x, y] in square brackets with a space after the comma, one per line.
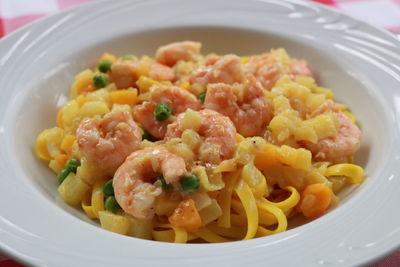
[268, 71]
[175, 97]
[218, 133]
[108, 141]
[225, 69]
[160, 72]
[344, 144]
[125, 73]
[170, 54]
[133, 181]
[248, 108]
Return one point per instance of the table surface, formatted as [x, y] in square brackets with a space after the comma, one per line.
[17, 13]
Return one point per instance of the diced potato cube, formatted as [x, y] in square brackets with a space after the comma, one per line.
[297, 158]
[70, 113]
[210, 213]
[90, 109]
[191, 120]
[201, 200]
[325, 125]
[144, 83]
[98, 95]
[305, 133]
[88, 172]
[281, 104]
[83, 83]
[322, 90]
[280, 55]
[114, 223]
[72, 190]
[191, 138]
[295, 90]
[178, 147]
[165, 205]
[306, 81]
[197, 89]
[55, 166]
[314, 101]
[284, 79]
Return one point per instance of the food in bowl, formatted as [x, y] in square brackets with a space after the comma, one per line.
[190, 148]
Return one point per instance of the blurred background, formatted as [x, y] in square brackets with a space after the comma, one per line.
[16, 13]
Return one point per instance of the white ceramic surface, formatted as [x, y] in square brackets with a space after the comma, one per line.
[37, 64]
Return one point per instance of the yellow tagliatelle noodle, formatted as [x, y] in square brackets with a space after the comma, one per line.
[225, 199]
[265, 206]
[353, 173]
[249, 203]
[177, 235]
[237, 183]
[289, 202]
[209, 236]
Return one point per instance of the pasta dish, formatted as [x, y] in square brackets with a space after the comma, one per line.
[185, 147]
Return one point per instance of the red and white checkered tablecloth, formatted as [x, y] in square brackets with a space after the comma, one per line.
[16, 13]
[382, 13]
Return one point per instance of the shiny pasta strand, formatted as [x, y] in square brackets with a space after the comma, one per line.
[209, 236]
[225, 198]
[249, 203]
[278, 213]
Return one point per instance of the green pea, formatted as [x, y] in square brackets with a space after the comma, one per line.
[100, 81]
[162, 112]
[72, 165]
[190, 183]
[108, 188]
[62, 175]
[111, 204]
[147, 136]
[164, 185]
[128, 57]
[202, 97]
[104, 65]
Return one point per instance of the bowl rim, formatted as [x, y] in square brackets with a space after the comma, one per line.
[20, 32]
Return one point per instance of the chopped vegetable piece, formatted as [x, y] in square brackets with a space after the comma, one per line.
[190, 183]
[315, 200]
[186, 216]
[202, 96]
[104, 65]
[108, 188]
[72, 165]
[62, 175]
[100, 81]
[124, 97]
[162, 112]
[164, 184]
[111, 204]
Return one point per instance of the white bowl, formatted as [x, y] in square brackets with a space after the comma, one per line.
[360, 63]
